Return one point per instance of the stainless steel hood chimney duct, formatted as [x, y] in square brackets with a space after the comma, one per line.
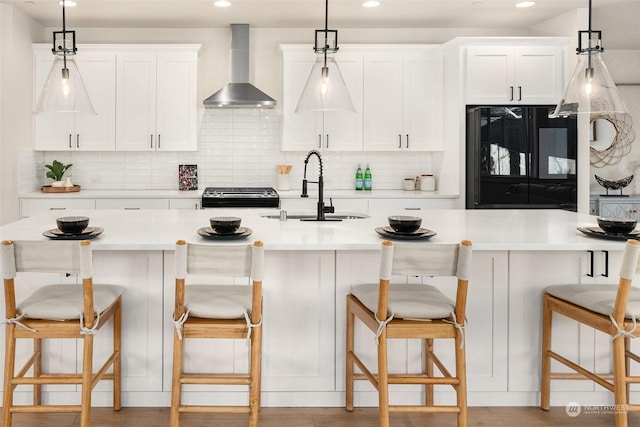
[239, 93]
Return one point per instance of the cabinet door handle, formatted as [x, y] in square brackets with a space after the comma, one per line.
[606, 264]
[519, 93]
[70, 146]
[196, 206]
[327, 141]
[407, 141]
[57, 209]
[77, 140]
[590, 273]
[511, 88]
[159, 140]
[399, 141]
[319, 140]
[131, 209]
[412, 209]
[151, 146]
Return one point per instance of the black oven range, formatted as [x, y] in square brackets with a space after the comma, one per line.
[240, 197]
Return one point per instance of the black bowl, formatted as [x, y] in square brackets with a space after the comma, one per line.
[225, 224]
[404, 223]
[617, 225]
[72, 224]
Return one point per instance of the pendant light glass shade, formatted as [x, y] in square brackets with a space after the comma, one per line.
[325, 89]
[64, 90]
[591, 89]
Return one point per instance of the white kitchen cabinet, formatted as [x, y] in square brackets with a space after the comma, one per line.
[156, 101]
[132, 204]
[329, 130]
[409, 204]
[141, 274]
[403, 99]
[185, 203]
[514, 74]
[79, 131]
[30, 207]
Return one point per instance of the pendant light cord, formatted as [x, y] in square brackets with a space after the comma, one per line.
[590, 46]
[326, 31]
[64, 37]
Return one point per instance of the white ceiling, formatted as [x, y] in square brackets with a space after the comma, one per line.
[305, 13]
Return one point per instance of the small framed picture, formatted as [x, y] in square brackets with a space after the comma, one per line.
[187, 177]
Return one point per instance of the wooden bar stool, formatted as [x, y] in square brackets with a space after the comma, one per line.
[218, 311]
[611, 309]
[412, 311]
[57, 311]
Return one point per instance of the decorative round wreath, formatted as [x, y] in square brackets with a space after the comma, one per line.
[621, 144]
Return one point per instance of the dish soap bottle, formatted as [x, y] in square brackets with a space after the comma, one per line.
[367, 178]
[359, 180]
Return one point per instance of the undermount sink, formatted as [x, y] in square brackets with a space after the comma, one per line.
[304, 216]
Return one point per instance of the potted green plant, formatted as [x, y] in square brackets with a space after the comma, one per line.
[56, 172]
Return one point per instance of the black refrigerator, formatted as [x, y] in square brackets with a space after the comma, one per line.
[520, 157]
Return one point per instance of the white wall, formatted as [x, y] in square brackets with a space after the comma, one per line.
[17, 31]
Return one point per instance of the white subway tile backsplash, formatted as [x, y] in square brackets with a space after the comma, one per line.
[235, 148]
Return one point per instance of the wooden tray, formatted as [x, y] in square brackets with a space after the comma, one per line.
[50, 189]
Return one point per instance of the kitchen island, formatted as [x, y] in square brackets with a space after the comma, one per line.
[310, 267]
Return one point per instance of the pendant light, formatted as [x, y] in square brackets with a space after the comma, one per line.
[591, 89]
[64, 90]
[325, 89]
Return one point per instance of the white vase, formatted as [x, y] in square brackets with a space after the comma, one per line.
[68, 182]
[57, 184]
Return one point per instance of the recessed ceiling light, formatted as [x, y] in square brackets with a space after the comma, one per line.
[525, 4]
[371, 3]
[222, 3]
[68, 3]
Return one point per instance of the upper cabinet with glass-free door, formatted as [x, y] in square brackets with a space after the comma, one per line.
[156, 101]
[514, 74]
[403, 98]
[317, 130]
[78, 131]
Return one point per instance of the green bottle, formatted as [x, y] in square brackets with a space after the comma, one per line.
[367, 178]
[359, 180]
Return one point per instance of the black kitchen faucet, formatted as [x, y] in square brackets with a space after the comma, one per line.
[322, 209]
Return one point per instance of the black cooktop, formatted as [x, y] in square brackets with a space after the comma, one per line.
[240, 197]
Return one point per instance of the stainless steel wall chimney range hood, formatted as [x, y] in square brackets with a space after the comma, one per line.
[239, 93]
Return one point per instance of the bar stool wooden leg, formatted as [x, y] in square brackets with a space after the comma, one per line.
[117, 363]
[175, 383]
[428, 369]
[87, 379]
[545, 375]
[383, 382]
[254, 387]
[619, 382]
[9, 370]
[37, 371]
[461, 374]
[349, 359]
[627, 365]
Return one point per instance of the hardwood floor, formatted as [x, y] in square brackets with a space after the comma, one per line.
[326, 417]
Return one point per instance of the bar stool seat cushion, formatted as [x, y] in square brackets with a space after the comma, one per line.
[218, 301]
[65, 302]
[408, 301]
[597, 298]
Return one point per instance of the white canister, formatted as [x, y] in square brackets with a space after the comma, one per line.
[409, 184]
[283, 183]
[427, 183]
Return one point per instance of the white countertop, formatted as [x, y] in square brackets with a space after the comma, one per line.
[488, 229]
[196, 194]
